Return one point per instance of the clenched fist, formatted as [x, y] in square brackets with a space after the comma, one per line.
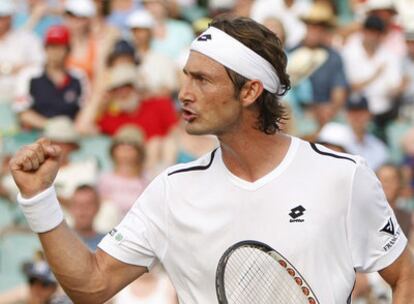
[34, 167]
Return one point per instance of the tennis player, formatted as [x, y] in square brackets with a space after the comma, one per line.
[324, 211]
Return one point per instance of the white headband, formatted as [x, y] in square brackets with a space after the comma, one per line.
[234, 55]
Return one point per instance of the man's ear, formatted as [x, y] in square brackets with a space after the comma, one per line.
[250, 92]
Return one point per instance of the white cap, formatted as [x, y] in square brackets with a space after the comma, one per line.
[61, 129]
[335, 134]
[140, 19]
[81, 8]
[122, 74]
[7, 8]
[372, 5]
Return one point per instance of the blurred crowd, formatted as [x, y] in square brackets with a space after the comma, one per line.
[100, 79]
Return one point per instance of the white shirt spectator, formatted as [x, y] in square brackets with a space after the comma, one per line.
[157, 72]
[371, 148]
[295, 28]
[18, 50]
[359, 67]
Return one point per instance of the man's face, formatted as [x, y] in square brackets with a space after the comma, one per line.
[5, 24]
[125, 154]
[359, 119]
[390, 181]
[42, 292]
[316, 35]
[56, 54]
[372, 38]
[125, 97]
[207, 97]
[157, 8]
[142, 36]
[76, 24]
[410, 48]
[84, 207]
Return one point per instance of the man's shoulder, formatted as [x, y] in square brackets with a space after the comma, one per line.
[321, 156]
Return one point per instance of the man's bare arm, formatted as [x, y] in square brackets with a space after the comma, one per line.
[87, 277]
[400, 275]
[33, 119]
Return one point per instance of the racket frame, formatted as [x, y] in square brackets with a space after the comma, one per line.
[221, 266]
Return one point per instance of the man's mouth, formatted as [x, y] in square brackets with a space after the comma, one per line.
[188, 115]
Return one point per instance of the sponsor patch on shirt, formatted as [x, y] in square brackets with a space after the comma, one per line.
[116, 235]
[389, 229]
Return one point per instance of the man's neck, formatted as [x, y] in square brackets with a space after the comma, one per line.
[251, 154]
[359, 135]
[143, 48]
[369, 49]
[56, 73]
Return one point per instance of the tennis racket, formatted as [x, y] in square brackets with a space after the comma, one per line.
[253, 272]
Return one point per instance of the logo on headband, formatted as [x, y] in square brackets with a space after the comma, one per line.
[204, 37]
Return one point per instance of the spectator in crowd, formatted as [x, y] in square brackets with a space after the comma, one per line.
[408, 75]
[151, 81]
[392, 181]
[83, 208]
[105, 35]
[51, 91]
[170, 36]
[42, 283]
[288, 12]
[41, 287]
[408, 164]
[151, 288]
[61, 131]
[126, 181]
[378, 74]
[18, 50]
[393, 38]
[242, 8]
[123, 105]
[183, 147]
[335, 136]
[119, 12]
[276, 26]
[361, 141]
[123, 52]
[328, 82]
[38, 16]
[78, 18]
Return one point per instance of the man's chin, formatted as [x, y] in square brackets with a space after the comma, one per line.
[193, 130]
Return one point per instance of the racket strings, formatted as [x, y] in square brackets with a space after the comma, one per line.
[253, 276]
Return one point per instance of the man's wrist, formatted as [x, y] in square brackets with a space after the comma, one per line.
[42, 211]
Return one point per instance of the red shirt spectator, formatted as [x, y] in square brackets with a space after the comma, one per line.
[155, 116]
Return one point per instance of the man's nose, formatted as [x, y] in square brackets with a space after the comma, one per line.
[185, 94]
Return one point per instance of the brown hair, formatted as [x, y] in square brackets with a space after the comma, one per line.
[265, 43]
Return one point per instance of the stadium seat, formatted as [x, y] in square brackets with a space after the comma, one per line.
[6, 213]
[16, 247]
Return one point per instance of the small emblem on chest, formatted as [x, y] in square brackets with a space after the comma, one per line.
[296, 213]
